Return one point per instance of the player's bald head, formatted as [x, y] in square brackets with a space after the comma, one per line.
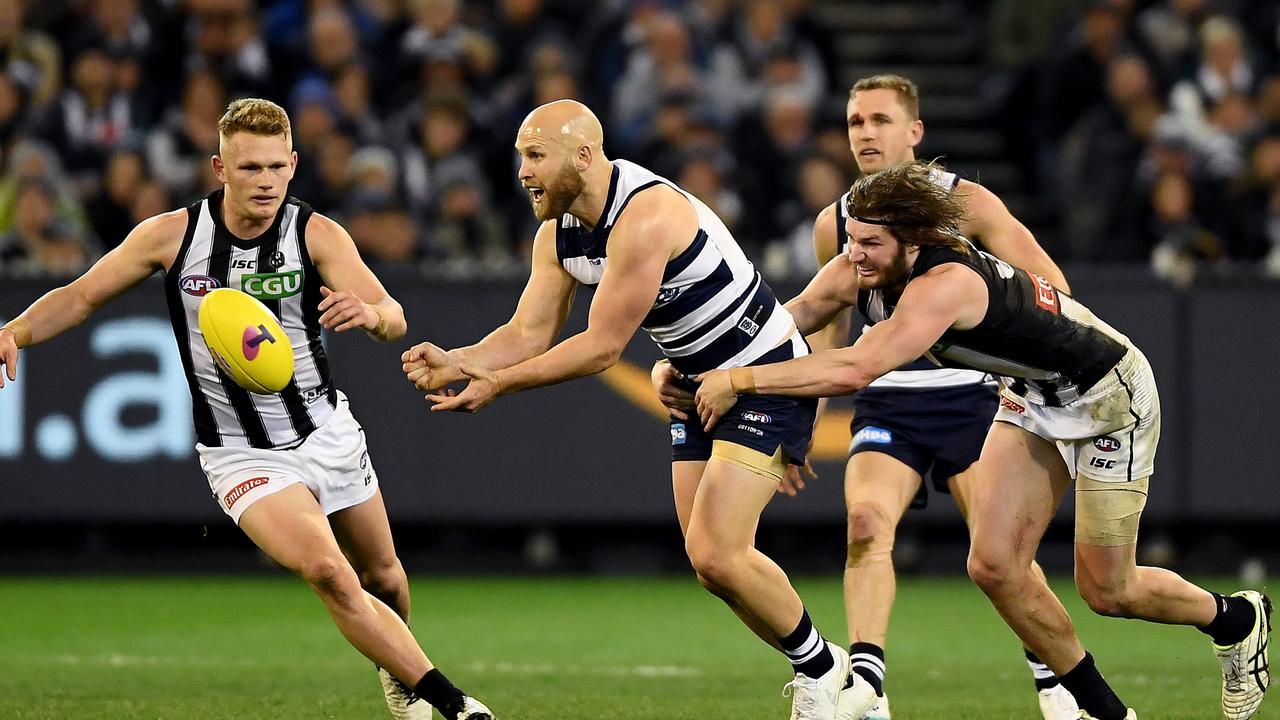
[567, 123]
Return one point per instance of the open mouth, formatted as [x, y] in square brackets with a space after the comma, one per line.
[868, 152]
[536, 194]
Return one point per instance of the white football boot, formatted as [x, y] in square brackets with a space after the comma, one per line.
[817, 698]
[473, 709]
[1057, 703]
[1245, 672]
[879, 711]
[401, 701]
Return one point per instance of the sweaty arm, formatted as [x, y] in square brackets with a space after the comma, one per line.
[644, 238]
[149, 247]
[1005, 236]
[353, 295]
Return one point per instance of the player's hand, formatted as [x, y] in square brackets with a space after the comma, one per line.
[344, 310]
[429, 367]
[8, 356]
[714, 397]
[795, 477]
[676, 399]
[482, 390]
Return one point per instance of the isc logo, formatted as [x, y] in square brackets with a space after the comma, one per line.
[198, 285]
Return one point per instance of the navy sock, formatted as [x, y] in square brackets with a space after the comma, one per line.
[806, 649]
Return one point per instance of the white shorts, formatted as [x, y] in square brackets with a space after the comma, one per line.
[1108, 434]
[332, 462]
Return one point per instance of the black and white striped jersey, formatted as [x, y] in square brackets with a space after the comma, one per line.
[276, 269]
[713, 310]
[919, 373]
[1043, 344]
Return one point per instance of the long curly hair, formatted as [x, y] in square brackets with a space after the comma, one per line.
[908, 201]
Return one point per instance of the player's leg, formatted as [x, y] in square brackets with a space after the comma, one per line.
[736, 485]
[1113, 584]
[1020, 480]
[878, 490]
[685, 477]
[291, 529]
[1056, 702]
[364, 534]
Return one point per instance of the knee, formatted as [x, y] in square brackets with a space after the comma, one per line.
[870, 532]
[990, 571]
[384, 580]
[330, 576]
[1107, 600]
[713, 563]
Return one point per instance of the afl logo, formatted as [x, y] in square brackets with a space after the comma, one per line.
[1106, 443]
[198, 285]
[757, 417]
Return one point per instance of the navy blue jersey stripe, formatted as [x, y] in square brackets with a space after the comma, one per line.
[735, 339]
[201, 412]
[697, 333]
[693, 297]
[686, 258]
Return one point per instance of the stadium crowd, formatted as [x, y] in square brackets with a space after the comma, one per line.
[1146, 131]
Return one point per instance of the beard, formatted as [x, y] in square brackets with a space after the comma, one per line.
[895, 273]
[559, 194]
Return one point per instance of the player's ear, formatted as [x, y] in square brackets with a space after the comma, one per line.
[219, 168]
[916, 132]
[583, 158]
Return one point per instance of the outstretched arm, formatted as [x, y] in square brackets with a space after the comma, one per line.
[946, 296]
[542, 310]
[151, 246]
[640, 245]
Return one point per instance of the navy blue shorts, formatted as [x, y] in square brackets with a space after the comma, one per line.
[937, 432]
[760, 422]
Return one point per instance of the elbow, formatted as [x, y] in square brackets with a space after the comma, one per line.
[608, 356]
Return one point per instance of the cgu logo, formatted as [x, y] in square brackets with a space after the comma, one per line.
[198, 285]
[272, 286]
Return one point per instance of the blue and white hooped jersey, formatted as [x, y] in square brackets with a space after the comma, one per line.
[713, 310]
[921, 372]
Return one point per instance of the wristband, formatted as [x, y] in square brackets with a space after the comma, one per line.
[21, 330]
[742, 380]
[381, 330]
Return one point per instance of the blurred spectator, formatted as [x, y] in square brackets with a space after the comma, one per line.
[665, 64]
[39, 242]
[437, 34]
[32, 159]
[778, 145]
[91, 118]
[30, 57]
[520, 27]
[332, 42]
[352, 88]
[1098, 157]
[13, 108]
[151, 199]
[1179, 242]
[1168, 30]
[820, 183]
[109, 209]
[703, 175]
[382, 230]
[1077, 70]
[1224, 70]
[764, 38]
[1259, 205]
[225, 40]
[178, 151]
[322, 177]
[811, 31]
[313, 112]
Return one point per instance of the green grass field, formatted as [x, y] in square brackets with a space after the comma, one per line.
[533, 649]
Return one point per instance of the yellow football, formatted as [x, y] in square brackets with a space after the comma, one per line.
[246, 341]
